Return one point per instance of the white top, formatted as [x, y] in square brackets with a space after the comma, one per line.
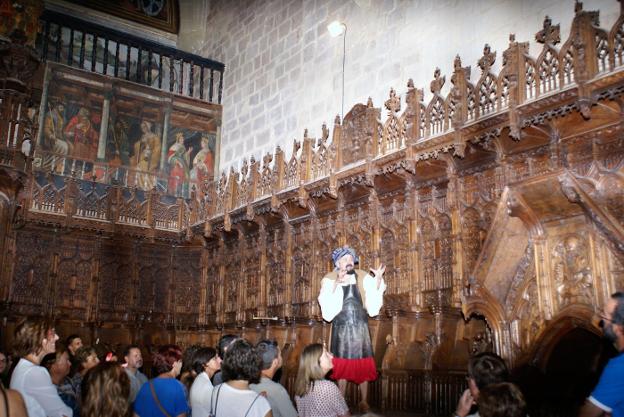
[200, 395]
[232, 402]
[40, 395]
[331, 301]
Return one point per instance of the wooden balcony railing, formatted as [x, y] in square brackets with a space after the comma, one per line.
[95, 48]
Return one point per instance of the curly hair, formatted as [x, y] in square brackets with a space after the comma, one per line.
[105, 391]
[241, 363]
[82, 354]
[166, 356]
[487, 368]
[29, 336]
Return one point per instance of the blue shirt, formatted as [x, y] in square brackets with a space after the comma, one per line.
[170, 393]
[609, 393]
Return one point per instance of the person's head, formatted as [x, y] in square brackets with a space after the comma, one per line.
[501, 400]
[344, 258]
[179, 137]
[57, 363]
[206, 360]
[84, 112]
[60, 107]
[270, 355]
[73, 343]
[205, 142]
[241, 363]
[612, 320]
[485, 369]
[105, 391]
[36, 337]
[224, 344]
[86, 358]
[4, 362]
[132, 357]
[314, 363]
[187, 358]
[168, 360]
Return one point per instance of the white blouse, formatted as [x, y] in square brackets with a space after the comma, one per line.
[331, 301]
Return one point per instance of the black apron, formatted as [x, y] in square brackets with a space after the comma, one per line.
[350, 338]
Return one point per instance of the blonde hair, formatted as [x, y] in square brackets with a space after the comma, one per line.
[309, 369]
[29, 337]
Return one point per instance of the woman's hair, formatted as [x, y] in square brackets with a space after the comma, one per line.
[202, 357]
[501, 400]
[51, 358]
[241, 362]
[105, 391]
[309, 369]
[29, 336]
[166, 356]
[82, 354]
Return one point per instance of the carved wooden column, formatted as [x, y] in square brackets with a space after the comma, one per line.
[459, 264]
[288, 268]
[203, 289]
[262, 281]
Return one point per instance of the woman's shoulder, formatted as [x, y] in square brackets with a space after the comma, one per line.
[325, 386]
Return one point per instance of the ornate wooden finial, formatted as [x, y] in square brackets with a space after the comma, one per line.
[267, 159]
[578, 7]
[297, 144]
[457, 64]
[252, 160]
[337, 120]
[549, 34]
[410, 83]
[369, 103]
[488, 58]
[438, 82]
[305, 134]
[325, 131]
[512, 39]
[245, 167]
[393, 104]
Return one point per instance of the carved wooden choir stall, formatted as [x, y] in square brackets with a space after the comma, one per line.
[498, 209]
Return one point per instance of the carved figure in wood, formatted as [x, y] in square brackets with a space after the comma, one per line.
[347, 294]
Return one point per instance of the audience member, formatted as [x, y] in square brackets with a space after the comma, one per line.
[4, 369]
[483, 369]
[233, 398]
[11, 403]
[315, 396]
[224, 343]
[58, 366]
[501, 400]
[271, 357]
[187, 374]
[608, 395]
[205, 363]
[134, 360]
[86, 358]
[33, 340]
[163, 395]
[105, 391]
[73, 343]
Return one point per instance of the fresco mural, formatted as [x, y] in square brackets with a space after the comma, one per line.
[103, 132]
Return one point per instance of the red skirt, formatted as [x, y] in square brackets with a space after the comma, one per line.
[354, 370]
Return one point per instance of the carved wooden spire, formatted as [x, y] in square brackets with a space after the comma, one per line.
[488, 58]
[437, 83]
[549, 35]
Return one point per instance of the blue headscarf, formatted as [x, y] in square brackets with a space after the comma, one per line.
[340, 252]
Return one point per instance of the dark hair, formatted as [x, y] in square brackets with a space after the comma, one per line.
[69, 339]
[501, 400]
[82, 354]
[618, 312]
[188, 356]
[224, 344]
[105, 390]
[267, 351]
[128, 348]
[241, 362]
[201, 358]
[166, 356]
[51, 358]
[487, 368]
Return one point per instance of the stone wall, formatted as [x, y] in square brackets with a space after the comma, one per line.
[283, 70]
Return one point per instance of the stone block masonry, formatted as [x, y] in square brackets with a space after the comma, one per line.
[283, 70]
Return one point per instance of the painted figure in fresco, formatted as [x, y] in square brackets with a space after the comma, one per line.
[179, 159]
[81, 134]
[146, 156]
[203, 164]
[347, 295]
[53, 139]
